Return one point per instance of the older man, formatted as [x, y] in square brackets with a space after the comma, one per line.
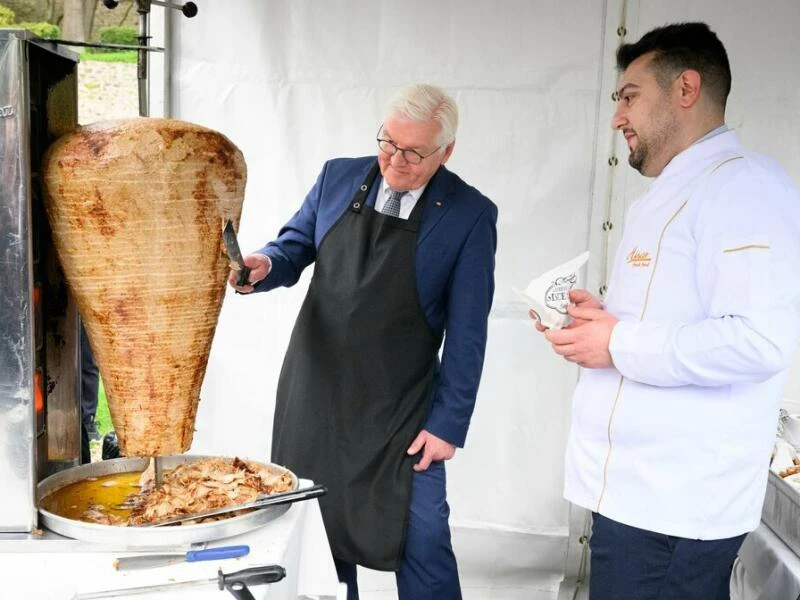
[675, 413]
[404, 254]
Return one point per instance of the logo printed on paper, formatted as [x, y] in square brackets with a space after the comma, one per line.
[557, 295]
[6, 111]
[638, 258]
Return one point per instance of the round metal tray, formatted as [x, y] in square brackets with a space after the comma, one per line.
[134, 537]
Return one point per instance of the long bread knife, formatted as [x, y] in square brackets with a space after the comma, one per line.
[147, 561]
[235, 254]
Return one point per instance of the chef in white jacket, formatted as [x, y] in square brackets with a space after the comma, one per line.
[683, 365]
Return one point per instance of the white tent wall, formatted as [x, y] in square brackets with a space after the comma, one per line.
[294, 83]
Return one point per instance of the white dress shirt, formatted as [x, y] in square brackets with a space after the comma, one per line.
[407, 202]
[676, 438]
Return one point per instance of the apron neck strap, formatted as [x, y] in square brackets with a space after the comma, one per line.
[357, 203]
[359, 199]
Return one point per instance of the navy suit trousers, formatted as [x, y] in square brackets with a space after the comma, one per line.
[635, 564]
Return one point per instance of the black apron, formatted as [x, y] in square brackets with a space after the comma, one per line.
[354, 386]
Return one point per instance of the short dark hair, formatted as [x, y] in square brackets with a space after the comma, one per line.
[682, 46]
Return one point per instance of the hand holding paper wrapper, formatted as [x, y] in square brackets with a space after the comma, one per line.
[548, 294]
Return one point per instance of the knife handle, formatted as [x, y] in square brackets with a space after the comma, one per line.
[217, 553]
[236, 583]
[244, 276]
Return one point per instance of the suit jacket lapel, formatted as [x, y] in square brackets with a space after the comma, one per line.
[439, 201]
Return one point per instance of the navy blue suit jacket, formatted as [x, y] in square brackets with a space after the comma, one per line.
[455, 273]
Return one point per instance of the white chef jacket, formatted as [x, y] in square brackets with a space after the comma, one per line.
[676, 438]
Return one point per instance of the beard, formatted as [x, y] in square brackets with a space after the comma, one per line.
[638, 156]
[663, 125]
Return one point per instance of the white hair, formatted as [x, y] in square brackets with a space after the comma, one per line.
[420, 103]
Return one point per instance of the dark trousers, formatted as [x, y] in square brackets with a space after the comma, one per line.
[634, 564]
[428, 570]
[90, 384]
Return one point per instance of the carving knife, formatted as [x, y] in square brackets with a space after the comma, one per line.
[232, 247]
[146, 561]
[236, 583]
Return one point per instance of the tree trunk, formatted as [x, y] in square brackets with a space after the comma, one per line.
[72, 28]
[56, 8]
[89, 8]
[50, 12]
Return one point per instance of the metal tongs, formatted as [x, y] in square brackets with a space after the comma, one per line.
[260, 502]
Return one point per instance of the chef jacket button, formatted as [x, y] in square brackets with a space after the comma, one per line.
[357, 205]
[438, 203]
[363, 188]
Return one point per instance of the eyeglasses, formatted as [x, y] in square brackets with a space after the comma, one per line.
[412, 157]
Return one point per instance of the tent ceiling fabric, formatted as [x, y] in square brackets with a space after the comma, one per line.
[295, 83]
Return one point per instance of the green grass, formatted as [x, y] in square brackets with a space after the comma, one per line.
[102, 418]
[126, 56]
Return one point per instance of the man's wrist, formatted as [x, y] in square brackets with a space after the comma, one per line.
[269, 267]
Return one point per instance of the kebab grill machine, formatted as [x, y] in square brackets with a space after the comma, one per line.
[74, 211]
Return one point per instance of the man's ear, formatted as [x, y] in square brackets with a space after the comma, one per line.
[448, 151]
[689, 84]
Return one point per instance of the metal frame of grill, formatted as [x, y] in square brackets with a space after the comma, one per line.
[39, 324]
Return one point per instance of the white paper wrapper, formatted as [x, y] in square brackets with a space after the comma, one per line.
[791, 430]
[783, 456]
[548, 294]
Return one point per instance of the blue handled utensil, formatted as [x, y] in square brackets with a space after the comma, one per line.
[131, 563]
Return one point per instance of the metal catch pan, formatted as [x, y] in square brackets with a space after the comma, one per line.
[142, 537]
[781, 511]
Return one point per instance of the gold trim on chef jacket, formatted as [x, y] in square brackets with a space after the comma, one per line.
[621, 378]
[748, 247]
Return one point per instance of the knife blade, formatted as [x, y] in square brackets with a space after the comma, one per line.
[236, 583]
[147, 561]
[235, 254]
[262, 501]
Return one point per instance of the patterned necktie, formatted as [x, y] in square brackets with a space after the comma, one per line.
[392, 205]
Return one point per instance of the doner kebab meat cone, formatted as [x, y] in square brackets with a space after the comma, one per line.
[137, 209]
